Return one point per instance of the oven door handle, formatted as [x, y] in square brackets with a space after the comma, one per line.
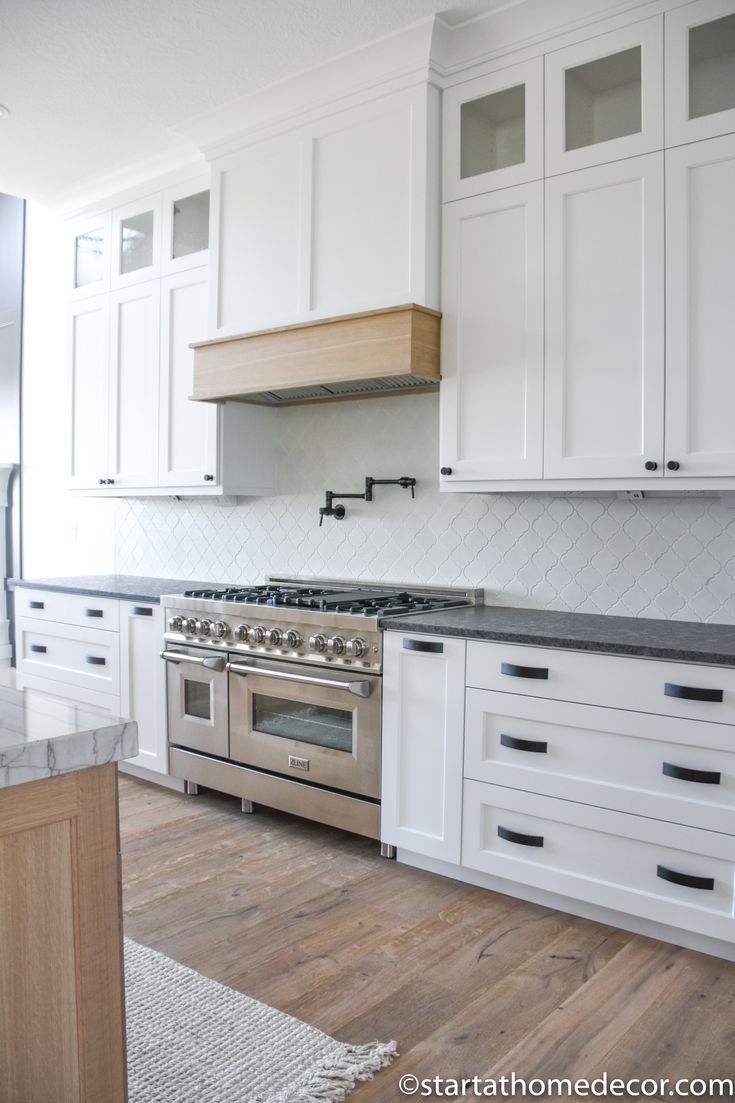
[360, 689]
[217, 662]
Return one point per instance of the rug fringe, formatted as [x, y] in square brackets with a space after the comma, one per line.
[334, 1082]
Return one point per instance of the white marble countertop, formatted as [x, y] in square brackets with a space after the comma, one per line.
[42, 736]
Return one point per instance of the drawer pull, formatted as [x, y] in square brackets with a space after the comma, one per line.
[36, 604]
[94, 612]
[38, 648]
[95, 660]
[514, 671]
[423, 645]
[141, 611]
[704, 777]
[516, 744]
[685, 879]
[517, 837]
[692, 693]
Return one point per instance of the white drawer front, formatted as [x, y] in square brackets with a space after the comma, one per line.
[608, 858]
[614, 681]
[64, 653]
[84, 698]
[665, 767]
[80, 609]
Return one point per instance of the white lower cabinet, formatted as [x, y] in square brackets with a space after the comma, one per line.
[605, 779]
[114, 668]
[423, 720]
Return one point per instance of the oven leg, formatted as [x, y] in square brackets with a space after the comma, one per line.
[247, 806]
[191, 789]
[387, 850]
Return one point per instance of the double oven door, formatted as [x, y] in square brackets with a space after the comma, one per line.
[305, 722]
[309, 723]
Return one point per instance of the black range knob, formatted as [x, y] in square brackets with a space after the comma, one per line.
[673, 465]
[651, 465]
[446, 471]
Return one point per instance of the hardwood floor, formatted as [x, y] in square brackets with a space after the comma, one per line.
[313, 921]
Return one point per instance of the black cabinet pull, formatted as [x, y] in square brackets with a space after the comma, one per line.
[693, 693]
[516, 744]
[36, 604]
[94, 612]
[209, 478]
[704, 777]
[685, 879]
[517, 837]
[673, 465]
[95, 660]
[651, 465]
[141, 611]
[423, 645]
[39, 648]
[446, 471]
[514, 671]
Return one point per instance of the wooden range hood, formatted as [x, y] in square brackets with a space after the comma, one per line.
[373, 354]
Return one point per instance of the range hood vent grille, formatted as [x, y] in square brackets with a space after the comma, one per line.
[381, 352]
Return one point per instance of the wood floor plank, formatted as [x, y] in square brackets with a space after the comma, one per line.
[469, 982]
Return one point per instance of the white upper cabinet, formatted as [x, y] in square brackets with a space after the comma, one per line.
[493, 131]
[185, 227]
[134, 352]
[188, 438]
[604, 98]
[493, 336]
[700, 71]
[334, 217]
[700, 320]
[604, 321]
[136, 242]
[89, 391]
[90, 255]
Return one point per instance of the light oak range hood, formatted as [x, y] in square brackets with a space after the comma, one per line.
[373, 354]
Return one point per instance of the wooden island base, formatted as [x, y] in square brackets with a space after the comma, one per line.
[62, 1020]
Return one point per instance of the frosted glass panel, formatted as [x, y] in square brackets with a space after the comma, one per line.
[136, 242]
[712, 67]
[603, 99]
[191, 224]
[493, 132]
[89, 257]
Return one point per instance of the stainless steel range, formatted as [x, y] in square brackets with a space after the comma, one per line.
[274, 692]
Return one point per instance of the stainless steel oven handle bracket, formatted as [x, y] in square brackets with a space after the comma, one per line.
[360, 689]
[215, 663]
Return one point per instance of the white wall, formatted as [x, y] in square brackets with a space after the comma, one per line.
[658, 558]
[61, 534]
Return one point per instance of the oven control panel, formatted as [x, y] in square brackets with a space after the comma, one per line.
[345, 645]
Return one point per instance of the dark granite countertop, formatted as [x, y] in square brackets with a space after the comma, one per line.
[678, 641]
[127, 587]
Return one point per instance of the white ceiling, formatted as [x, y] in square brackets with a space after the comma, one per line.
[94, 85]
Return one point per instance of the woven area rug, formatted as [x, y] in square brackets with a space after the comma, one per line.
[192, 1040]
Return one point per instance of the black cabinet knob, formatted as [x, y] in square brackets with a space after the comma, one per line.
[651, 465]
[446, 471]
[101, 482]
[209, 478]
[673, 465]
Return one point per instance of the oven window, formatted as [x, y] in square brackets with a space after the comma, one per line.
[197, 699]
[324, 727]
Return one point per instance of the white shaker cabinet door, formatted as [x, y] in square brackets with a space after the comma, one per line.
[423, 740]
[604, 321]
[134, 360]
[89, 392]
[188, 451]
[700, 314]
[493, 336]
[143, 681]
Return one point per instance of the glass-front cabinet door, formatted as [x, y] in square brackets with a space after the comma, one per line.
[90, 255]
[136, 242]
[604, 98]
[185, 226]
[493, 131]
[700, 71]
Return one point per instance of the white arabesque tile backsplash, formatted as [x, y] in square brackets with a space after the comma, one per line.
[661, 557]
